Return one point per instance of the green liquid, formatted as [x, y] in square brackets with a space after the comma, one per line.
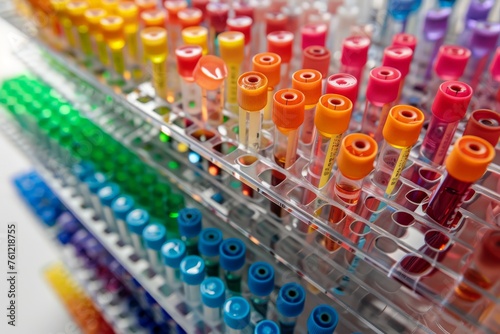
[212, 268]
[191, 246]
[233, 282]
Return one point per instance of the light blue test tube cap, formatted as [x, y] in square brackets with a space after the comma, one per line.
[322, 320]
[122, 205]
[108, 193]
[154, 236]
[236, 313]
[83, 169]
[261, 278]
[267, 327]
[95, 181]
[192, 270]
[232, 254]
[189, 222]
[213, 292]
[137, 220]
[172, 253]
[209, 241]
[291, 300]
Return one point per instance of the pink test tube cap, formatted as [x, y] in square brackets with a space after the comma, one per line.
[343, 84]
[242, 24]
[187, 57]
[398, 57]
[313, 34]
[495, 67]
[383, 85]
[355, 51]
[281, 43]
[451, 62]
[451, 101]
[316, 58]
[484, 123]
[403, 39]
[217, 15]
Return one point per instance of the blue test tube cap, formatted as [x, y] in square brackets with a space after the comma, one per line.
[236, 313]
[108, 193]
[154, 236]
[48, 215]
[291, 300]
[261, 278]
[83, 169]
[192, 270]
[213, 292]
[122, 205]
[172, 253]
[267, 327]
[322, 320]
[189, 222]
[232, 254]
[137, 220]
[95, 181]
[209, 241]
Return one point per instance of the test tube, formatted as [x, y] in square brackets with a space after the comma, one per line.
[405, 39]
[323, 319]
[288, 116]
[192, 275]
[210, 73]
[381, 92]
[317, 58]
[231, 46]
[154, 236]
[448, 108]
[93, 17]
[236, 312]
[242, 24]
[81, 171]
[398, 57]
[396, 18]
[112, 31]
[144, 5]
[175, 203]
[275, 21]
[232, 258]
[281, 43]
[290, 304]
[130, 14]
[59, 7]
[217, 17]
[354, 56]
[154, 41]
[137, 220]
[196, 36]
[477, 11]
[173, 25]
[266, 327]
[189, 222]
[269, 64]
[333, 114]
[252, 99]
[94, 182]
[466, 163]
[213, 296]
[154, 18]
[491, 97]
[190, 17]
[208, 247]
[107, 195]
[484, 123]
[187, 58]
[261, 284]
[76, 13]
[172, 253]
[343, 84]
[121, 207]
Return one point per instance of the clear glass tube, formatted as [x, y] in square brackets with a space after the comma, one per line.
[212, 103]
[211, 265]
[159, 68]
[172, 276]
[233, 280]
[211, 314]
[374, 118]
[193, 294]
[154, 260]
[259, 304]
[123, 230]
[191, 97]
[191, 245]
[268, 110]
[390, 164]
[250, 125]
[137, 244]
[324, 151]
[233, 72]
[287, 324]
[307, 128]
[437, 140]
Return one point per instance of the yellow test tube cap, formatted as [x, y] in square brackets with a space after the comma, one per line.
[129, 12]
[252, 91]
[288, 108]
[154, 40]
[59, 6]
[269, 64]
[112, 30]
[333, 114]
[196, 36]
[309, 83]
[76, 11]
[93, 17]
[469, 158]
[403, 125]
[154, 18]
[111, 6]
[232, 46]
[357, 155]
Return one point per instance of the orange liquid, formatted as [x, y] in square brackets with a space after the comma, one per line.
[467, 292]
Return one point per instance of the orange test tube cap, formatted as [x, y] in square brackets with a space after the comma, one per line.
[252, 91]
[232, 46]
[76, 11]
[129, 12]
[484, 123]
[356, 155]
[154, 40]
[190, 17]
[111, 6]
[173, 7]
[112, 28]
[288, 108]
[93, 17]
[269, 64]
[469, 158]
[309, 83]
[403, 125]
[333, 114]
[154, 18]
[144, 5]
[210, 72]
[281, 42]
[187, 58]
[317, 58]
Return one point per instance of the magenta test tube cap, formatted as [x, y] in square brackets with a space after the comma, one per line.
[451, 101]
[383, 85]
[355, 51]
[495, 66]
[313, 34]
[398, 57]
[343, 84]
[451, 62]
[404, 39]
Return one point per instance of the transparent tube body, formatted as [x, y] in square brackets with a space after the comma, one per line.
[109, 218]
[259, 304]
[101, 50]
[84, 39]
[212, 103]
[437, 140]
[154, 260]
[159, 68]
[172, 276]
[285, 75]
[268, 110]
[390, 164]
[233, 280]
[230, 330]
[123, 230]
[211, 314]
[233, 72]
[211, 265]
[137, 244]
[191, 245]
[191, 97]
[118, 61]
[307, 128]
[132, 42]
[192, 293]
[324, 151]
[374, 118]
[475, 69]
[287, 324]
[250, 125]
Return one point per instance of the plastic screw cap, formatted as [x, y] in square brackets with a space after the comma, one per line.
[242, 24]
[309, 83]
[288, 108]
[252, 91]
[317, 58]
[137, 220]
[95, 181]
[469, 158]
[196, 36]
[210, 72]
[398, 57]
[261, 278]
[154, 41]
[403, 39]
[383, 85]
[484, 38]
[130, 14]
[313, 34]
[108, 193]
[479, 9]
[244, 9]
[322, 320]
[209, 241]
[403, 125]
[232, 46]
[213, 292]
[281, 42]
[275, 21]
[451, 101]
[172, 252]
[187, 58]
[112, 31]
[236, 313]
[189, 221]
[232, 254]
[190, 17]
[83, 169]
[217, 15]
[451, 62]
[145, 4]
[291, 300]
[436, 23]
[192, 270]
[269, 64]
[343, 84]
[173, 7]
[122, 205]
[267, 327]
[355, 51]
[154, 236]
[484, 123]
[357, 155]
[154, 18]
[333, 114]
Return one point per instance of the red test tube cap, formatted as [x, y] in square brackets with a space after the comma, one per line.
[317, 58]
[313, 34]
[190, 17]
[201, 5]
[398, 57]
[217, 15]
[343, 84]
[451, 61]
[484, 123]
[495, 66]
[404, 39]
[288, 108]
[355, 51]
[281, 42]
[383, 85]
[275, 21]
[451, 101]
[241, 24]
[243, 9]
[187, 58]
